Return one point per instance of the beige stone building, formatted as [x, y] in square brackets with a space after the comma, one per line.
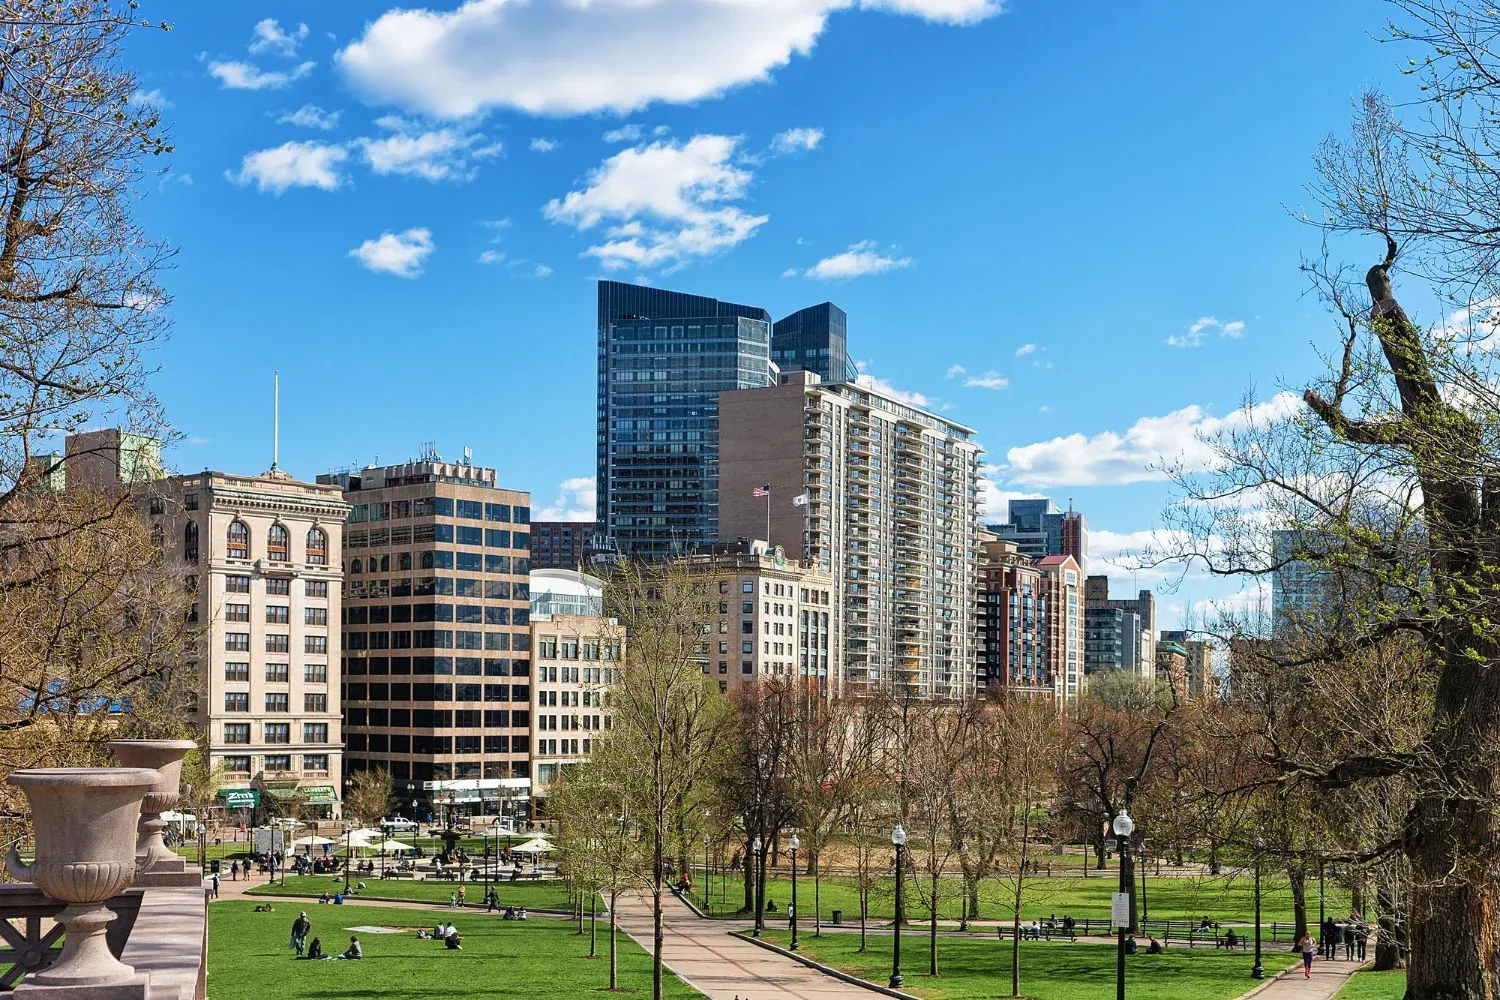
[891, 516]
[261, 552]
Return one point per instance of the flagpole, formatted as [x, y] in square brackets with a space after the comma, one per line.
[768, 519]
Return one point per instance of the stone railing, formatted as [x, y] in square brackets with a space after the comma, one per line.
[131, 915]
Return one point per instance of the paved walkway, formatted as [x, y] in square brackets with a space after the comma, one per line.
[1327, 979]
[721, 966]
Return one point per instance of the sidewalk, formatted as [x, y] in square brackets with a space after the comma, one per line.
[1327, 979]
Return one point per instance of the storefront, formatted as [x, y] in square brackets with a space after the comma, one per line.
[239, 805]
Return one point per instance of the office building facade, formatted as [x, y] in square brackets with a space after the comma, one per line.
[1039, 529]
[437, 634]
[1199, 667]
[1097, 602]
[891, 515]
[1030, 622]
[560, 544]
[663, 358]
[1111, 640]
[815, 339]
[1300, 587]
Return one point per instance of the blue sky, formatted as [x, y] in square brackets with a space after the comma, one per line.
[1063, 223]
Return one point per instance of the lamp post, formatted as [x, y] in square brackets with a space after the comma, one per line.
[794, 843]
[1144, 866]
[1123, 827]
[1321, 916]
[759, 861]
[898, 837]
[348, 855]
[1257, 971]
[707, 871]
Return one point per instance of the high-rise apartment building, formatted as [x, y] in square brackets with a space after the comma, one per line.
[1299, 586]
[1199, 663]
[437, 633]
[1039, 529]
[891, 514]
[1097, 604]
[560, 544]
[663, 359]
[260, 552]
[815, 339]
[1111, 640]
[576, 656]
[1030, 622]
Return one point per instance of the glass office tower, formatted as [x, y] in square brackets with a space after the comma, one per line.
[815, 339]
[663, 358]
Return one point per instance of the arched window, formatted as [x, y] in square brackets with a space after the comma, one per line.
[317, 547]
[278, 544]
[239, 540]
[385, 564]
[403, 561]
[427, 560]
[190, 540]
[356, 567]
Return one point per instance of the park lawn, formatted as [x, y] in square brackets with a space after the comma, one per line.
[221, 852]
[1226, 899]
[532, 895]
[1374, 986]
[979, 968]
[248, 958]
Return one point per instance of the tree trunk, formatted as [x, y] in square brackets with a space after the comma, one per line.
[1299, 901]
[749, 870]
[932, 925]
[1388, 945]
[974, 899]
[1099, 852]
[593, 923]
[614, 926]
[817, 904]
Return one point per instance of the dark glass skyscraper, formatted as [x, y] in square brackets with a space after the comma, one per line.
[663, 358]
[816, 339]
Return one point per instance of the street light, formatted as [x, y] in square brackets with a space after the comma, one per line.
[1123, 827]
[347, 855]
[794, 843]
[1257, 971]
[898, 837]
[759, 861]
[707, 871]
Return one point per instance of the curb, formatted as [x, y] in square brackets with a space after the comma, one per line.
[825, 969]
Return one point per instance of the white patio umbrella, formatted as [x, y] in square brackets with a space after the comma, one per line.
[390, 847]
[312, 841]
[365, 838]
[536, 845]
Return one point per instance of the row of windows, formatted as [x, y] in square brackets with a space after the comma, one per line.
[438, 718]
[276, 614]
[239, 642]
[276, 732]
[462, 666]
[316, 673]
[437, 692]
[239, 764]
[443, 586]
[578, 675]
[239, 701]
[439, 638]
[588, 722]
[276, 586]
[278, 543]
[559, 747]
[464, 614]
[549, 648]
[437, 746]
[472, 510]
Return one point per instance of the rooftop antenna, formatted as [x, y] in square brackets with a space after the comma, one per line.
[275, 419]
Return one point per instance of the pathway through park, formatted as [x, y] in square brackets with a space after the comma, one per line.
[1327, 979]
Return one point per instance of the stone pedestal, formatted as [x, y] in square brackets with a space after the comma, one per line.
[137, 987]
[190, 877]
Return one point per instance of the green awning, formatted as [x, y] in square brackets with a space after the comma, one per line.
[284, 792]
[320, 794]
[239, 798]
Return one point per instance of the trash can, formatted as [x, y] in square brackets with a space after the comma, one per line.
[838, 917]
[213, 866]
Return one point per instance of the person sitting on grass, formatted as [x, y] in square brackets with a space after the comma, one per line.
[453, 941]
[1154, 948]
[265, 908]
[522, 914]
[315, 950]
[510, 913]
[1130, 945]
[354, 950]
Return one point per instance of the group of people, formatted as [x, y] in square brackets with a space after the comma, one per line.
[302, 927]
[1354, 936]
[446, 933]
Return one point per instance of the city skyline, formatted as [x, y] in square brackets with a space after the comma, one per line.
[460, 208]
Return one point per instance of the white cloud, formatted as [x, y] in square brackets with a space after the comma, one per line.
[400, 254]
[1136, 456]
[492, 257]
[292, 164]
[540, 271]
[1025, 349]
[910, 398]
[858, 260]
[1473, 327]
[790, 272]
[625, 133]
[662, 204]
[994, 499]
[954, 371]
[310, 116]
[436, 155]
[564, 57]
[1198, 329]
[247, 76]
[989, 380]
[150, 98]
[576, 501]
[544, 145]
[797, 140]
[269, 37]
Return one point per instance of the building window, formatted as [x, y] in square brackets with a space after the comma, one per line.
[278, 614]
[316, 588]
[315, 616]
[190, 501]
[277, 672]
[278, 762]
[190, 541]
[315, 762]
[278, 588]
[315, 644]
[236, 732]
[238, 542]
[314, 732]
[278, 732]
[315, 673]
[278, 644]
[237, 764]
[237, 642]
[237, 701]
[236, 612]
[278, 544]
[237, 585]
[236, 671]
[277, 702]
[747, 587]
[315, 702]
[317, 547]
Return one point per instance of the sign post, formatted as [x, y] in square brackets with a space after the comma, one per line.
[1119, 910]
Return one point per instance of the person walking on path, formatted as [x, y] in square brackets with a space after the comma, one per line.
[301, 927]
[1349, 942]
[1361, 935]
[1328, 935]
[1308, 947]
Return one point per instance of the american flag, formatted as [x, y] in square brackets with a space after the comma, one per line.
[761, 491]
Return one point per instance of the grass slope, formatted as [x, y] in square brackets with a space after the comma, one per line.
[249, 958]
[1374, 986]
[979, 969]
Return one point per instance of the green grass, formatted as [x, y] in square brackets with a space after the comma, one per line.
[532, 895]
[248, 958]
[223, 852]
[1374, 986]
[1180, 899]
[978, 969]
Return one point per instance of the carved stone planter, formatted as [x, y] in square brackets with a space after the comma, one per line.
[166, 757]
[85, 820]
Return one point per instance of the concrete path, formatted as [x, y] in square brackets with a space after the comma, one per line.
[721, 966]
[1328, 977]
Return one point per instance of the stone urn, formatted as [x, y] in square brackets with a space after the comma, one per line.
[85, 823]
[166, 757]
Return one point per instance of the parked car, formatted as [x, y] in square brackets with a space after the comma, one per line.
[397, 823]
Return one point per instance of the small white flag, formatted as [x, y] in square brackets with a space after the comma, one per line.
[801, 499]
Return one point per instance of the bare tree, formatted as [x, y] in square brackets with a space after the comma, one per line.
[370, 795]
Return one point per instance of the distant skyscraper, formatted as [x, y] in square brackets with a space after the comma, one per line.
[1298, 586]
[1039, 529]
[663, 359]
[817, 339]
[1105, 652]
[560, 544]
